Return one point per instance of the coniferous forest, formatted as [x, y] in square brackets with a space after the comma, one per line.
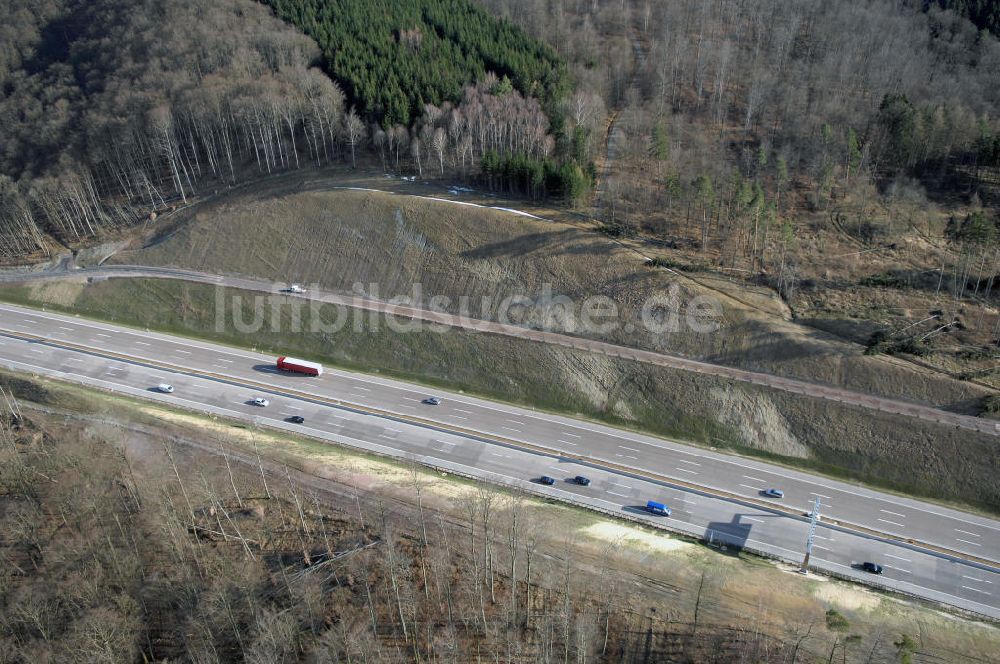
[394, 57]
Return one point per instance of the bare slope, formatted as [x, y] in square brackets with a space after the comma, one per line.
[384, 244]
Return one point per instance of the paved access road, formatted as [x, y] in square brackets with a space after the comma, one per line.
[796, 386]
[712, 495]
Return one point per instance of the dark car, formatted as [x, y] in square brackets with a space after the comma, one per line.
[296, 419]
[873, 568]
[581, 480]
[432, 401]
[546, 480]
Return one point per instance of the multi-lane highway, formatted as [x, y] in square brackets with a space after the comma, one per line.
[927, 550]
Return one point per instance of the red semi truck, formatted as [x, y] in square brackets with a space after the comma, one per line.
[300, 366]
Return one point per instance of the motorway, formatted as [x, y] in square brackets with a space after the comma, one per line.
[713, 496]
[776, 382]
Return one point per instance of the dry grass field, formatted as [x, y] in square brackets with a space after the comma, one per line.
[340, 239]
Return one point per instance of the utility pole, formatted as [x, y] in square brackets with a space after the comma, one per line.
[812, 535]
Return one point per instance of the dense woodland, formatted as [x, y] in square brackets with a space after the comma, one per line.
[740, 118]
[392, 58]
[113, 110]
[985, 14]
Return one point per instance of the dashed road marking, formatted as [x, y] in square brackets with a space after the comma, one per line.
[892, 523]
[972, 578]
[958, 539]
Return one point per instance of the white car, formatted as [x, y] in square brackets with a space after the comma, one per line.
[295, 288]
[262, 402]
[166, 388]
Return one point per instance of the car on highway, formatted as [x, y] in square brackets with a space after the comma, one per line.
[296, 419]
[871, 568]
[166, 388]
[546, 480]
[432, 401]
[773, 493]
[581, 480]
[262, 402]
[659, 509]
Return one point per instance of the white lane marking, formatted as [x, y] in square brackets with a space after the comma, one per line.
[66, 329]
[893, 513]
[966, 532]
[511, 429]
[571, 435]
[103, 336]
[459, 417]
[753, 479]
[899, 569]
[36, 350]
[820, 546]
[623, 495]
[141, 343]
[693, 463]
[521, 424]
[627, 456]
[218, 366]
[297, 408]
[685, 470]
[822, 537]
[892, 523]
[29, 321]
[557, 469]
[412, 399]
[929, 511]
[363, 389]
[496, 454]
[813, 493]
[182, 352]
[565, 442]
[750, 518]
[222, 359]
[755, 488]
[457, 410]
[957, 539]
[905, 560]
[976, 590]
[630, 449]
[73, 359]
[972, 578]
